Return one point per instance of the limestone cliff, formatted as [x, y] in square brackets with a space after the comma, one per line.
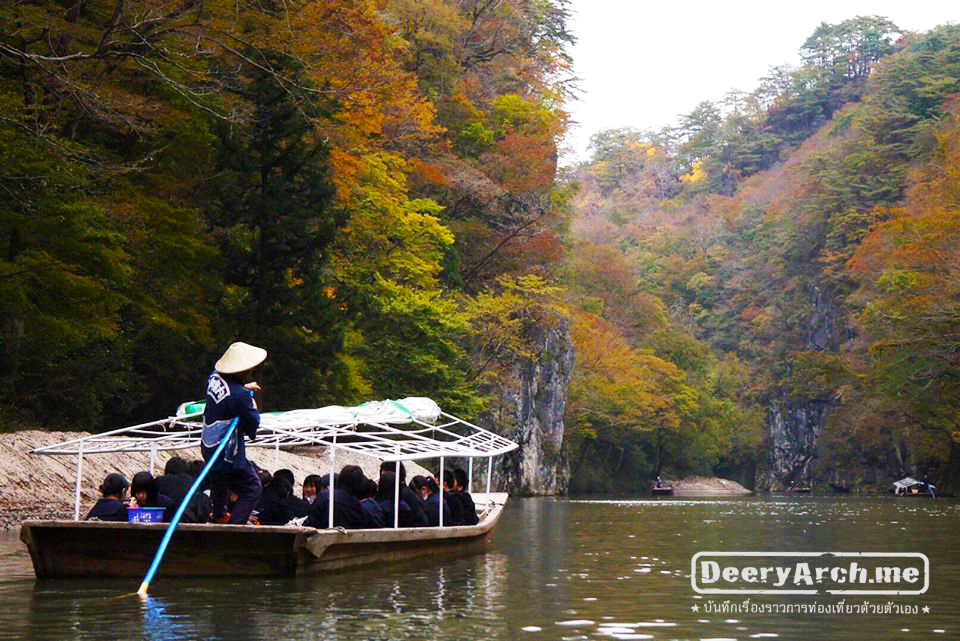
[529, 410]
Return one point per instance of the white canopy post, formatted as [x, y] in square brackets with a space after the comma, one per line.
[396, 494]
[333, 453]
[469, 487]
[489, 474]
[153, 459]
[440, 503]
[76, 495]
[276, 456]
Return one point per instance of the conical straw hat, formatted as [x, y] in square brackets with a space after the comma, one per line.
[240, 357]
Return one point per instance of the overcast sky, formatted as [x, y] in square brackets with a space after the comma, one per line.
[641, 63]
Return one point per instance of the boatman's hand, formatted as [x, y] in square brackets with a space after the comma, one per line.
[252, 385]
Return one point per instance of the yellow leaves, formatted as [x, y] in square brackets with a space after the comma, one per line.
[651, 152]
[696, 175]
[400, 238]
[617, 385]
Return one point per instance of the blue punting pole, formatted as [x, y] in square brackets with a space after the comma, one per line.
[183, 506]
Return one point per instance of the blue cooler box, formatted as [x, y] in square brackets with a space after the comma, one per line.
[145, 514]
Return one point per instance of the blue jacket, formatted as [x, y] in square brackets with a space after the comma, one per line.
[374, 513]
[433, 510]
[228, 399]
[406, 514]
[347, 511]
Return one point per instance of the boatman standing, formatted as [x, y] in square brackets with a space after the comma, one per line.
[228, 397]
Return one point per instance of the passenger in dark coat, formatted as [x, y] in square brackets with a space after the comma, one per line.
[112, 506]
[409, 496]
[453, 500]
[370, 505]
[274, 507]
[144, 490]
[432, 499]
[385, 499]
[175, 482]
[298, 507]
[460, 483]
[347, 511]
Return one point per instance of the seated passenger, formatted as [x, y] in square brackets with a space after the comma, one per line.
[453, 500]
[324, 485]
[273, 508]
[112, 507]
[175, 481]
[368, 490]
[311, 485]
[432, 498]
[460, 483]
[409, 496]
[347, 511]
[385, 494]
[298, 506]
[144, 490]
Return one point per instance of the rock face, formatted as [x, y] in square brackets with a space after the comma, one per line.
[530, 412]
[794, 433]
[794, 424]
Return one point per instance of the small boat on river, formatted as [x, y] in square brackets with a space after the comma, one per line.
[392, 431]
[910, 487]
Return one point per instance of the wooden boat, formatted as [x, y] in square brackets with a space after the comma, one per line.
[666, 490]
[86, 549]
[798, 490]
[389, 431]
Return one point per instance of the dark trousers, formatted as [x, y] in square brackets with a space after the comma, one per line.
[242, 481]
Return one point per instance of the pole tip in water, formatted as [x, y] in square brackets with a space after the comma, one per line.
[143, 589]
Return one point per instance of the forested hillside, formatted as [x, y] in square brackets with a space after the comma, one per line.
[364, 188]
[773, 285]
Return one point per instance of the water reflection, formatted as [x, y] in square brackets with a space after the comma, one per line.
[559, 569]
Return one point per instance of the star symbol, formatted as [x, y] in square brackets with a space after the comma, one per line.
[695, 608]
[926, 609]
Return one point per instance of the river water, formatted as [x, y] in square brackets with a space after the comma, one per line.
[557, 569]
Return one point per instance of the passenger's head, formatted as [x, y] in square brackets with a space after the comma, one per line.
[431, 486]
[368, 489]
[421, 485]
[287, 474]
[144, 488]
[324, 485]
[447, 479]
[280, 485]
[351, 479]
[114, 486]
[386, 485]
[311, 485]
[460, 481]
[391, 466]
[194, 468]
[175, 465]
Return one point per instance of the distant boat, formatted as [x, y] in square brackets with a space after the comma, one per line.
[911, 487]
[799, 490]
[664, 490]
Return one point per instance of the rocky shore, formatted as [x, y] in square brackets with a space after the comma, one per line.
[42, 487]
[707, 486]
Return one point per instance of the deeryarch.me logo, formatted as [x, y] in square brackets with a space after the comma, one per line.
[900, 573]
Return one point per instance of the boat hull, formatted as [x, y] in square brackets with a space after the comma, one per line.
[87, 549]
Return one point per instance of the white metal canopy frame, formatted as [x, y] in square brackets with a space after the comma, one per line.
[412, 428]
